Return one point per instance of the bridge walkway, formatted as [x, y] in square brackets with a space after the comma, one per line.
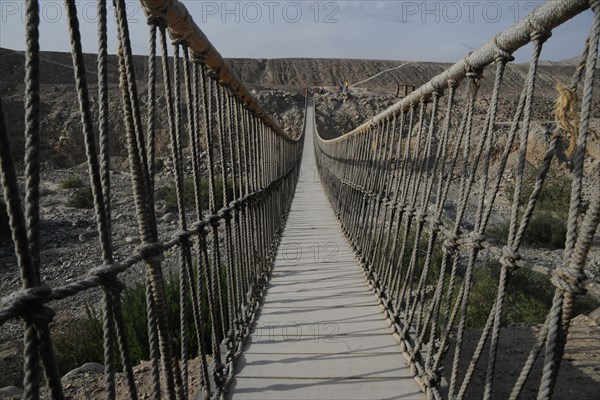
[320, 334]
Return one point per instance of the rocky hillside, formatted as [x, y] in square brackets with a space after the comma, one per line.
[279, 84]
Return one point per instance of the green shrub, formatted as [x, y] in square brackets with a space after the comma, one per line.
[71, 183]
[527, 300]
[79, 342]
[548, 225]
[168, 194]
[81, 198]
[544, 230]
[136, 320]
[82, 341]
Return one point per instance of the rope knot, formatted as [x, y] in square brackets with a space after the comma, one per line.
[569, 280]
[450, 245]
[21, 301]
[29, 303]
[435, 224]
[199, 227]
[107, 278]
[420, 217]
[39, 315]
[474, 74]
[501, 54]
[180, 40]
[184, 237]
[226, 214]
[538, 32]
[236, 205]
[213, 220]
[152, 252]
[438, 89]
[509, 258]
[471, 71]
[157, 18]
[198, 58]
[477, 239]
[430, 379]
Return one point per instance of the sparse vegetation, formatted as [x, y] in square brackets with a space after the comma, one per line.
[71, 183]
[168, 194]
[548, 225]
[81, 198]
[528, 295]
[79, 342]
[527, 301]
[82, 341]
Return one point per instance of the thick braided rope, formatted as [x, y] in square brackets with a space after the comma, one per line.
[151, 117]
[21, 241]
[152, 326]
[103, 109]
[32, 132]
[32, 126]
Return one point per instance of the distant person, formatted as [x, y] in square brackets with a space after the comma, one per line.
[347, 86]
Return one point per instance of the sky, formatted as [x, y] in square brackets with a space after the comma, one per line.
[392, 30]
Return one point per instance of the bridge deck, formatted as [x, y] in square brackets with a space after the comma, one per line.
[320, 334]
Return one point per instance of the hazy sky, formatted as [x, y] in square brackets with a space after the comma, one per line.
[394, 29]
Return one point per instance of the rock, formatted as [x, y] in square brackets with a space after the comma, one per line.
[87, 368]
[88, 234]
[594, 317]
[169, 217]
[9, 354]
[12, 391]
[132, 239]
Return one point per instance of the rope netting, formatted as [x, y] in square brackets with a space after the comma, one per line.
[416, 186]
[225, 253]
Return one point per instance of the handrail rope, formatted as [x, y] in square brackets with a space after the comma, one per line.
[543, 19]
[183, 28]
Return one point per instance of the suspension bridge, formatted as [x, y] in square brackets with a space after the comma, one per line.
[338, 268]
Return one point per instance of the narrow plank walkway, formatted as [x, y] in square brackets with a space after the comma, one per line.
[320, 334]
